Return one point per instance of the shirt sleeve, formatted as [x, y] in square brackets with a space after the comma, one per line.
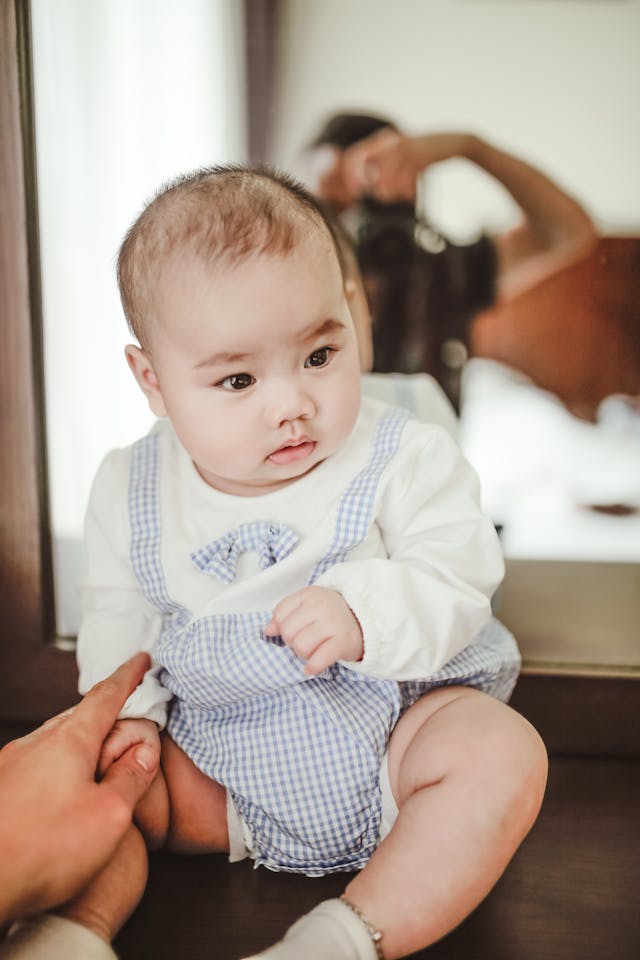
[118, 621]
[427, 599]
[48, 937]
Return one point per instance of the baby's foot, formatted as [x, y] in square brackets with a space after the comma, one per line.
[331, 931]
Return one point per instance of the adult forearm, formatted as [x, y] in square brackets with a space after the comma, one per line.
[548, 209]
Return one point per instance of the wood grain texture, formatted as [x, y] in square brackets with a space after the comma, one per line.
[589, 716]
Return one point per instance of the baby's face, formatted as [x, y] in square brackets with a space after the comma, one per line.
[257, 365]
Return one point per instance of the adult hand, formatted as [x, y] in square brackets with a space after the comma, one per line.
[110, 898]
[555, 230]
[387, 164]
[58, 826]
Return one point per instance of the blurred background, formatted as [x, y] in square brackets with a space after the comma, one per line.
[129, 93]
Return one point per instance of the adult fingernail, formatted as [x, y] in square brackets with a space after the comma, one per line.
[146, 758]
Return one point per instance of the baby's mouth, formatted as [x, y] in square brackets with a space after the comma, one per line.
[292, 451]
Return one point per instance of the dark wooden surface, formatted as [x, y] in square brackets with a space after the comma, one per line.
[571, 892]
[582, 715]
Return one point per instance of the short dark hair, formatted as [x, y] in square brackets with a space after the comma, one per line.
[342, 130]
[223, 213]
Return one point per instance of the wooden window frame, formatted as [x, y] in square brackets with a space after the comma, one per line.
[36, 677]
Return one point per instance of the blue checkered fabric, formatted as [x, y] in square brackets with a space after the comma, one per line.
[271, 541]
[300, 756]
[355, 510]
[490, 663]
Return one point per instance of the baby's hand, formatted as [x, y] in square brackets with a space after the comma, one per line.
[124, 734]
[319, 626]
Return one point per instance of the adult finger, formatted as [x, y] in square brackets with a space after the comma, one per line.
[37, 734]
[132, 774]
[99, 709]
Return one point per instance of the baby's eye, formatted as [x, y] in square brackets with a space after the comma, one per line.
[237, 381]
[319, 358]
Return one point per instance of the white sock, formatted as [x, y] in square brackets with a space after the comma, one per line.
[331, 931]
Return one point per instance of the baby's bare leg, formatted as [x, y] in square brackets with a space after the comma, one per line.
[151, 815]
[183, 809]
[468, 774]
[198, 805]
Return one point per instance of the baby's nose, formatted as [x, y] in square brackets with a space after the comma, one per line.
[290, 402]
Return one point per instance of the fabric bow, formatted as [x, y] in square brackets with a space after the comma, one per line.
[272, 542]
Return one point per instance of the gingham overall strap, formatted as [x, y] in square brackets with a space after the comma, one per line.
[145, 522]
[356, 507]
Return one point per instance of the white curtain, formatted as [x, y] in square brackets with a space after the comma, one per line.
[128, 93]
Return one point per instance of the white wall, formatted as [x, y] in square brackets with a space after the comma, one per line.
[556, 81]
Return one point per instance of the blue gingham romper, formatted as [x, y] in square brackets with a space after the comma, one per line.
[299, 756]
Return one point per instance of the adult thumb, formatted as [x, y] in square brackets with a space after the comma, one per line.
[132, 774]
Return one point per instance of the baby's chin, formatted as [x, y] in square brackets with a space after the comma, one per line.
[292, 470]
[268, 481]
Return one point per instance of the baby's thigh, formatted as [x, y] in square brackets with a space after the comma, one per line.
[197, 804]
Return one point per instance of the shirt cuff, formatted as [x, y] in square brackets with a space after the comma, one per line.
[48, 937]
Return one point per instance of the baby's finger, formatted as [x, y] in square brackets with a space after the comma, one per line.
[112, 748]
[300, 623]
[289, 604]
[107, 757]
[309, 639]
[286, 616]
[324, 656]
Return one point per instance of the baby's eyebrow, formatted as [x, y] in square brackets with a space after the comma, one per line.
[313, 331]
[310, 333]
[222, 358]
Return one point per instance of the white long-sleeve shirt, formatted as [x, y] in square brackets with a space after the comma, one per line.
[419, 583]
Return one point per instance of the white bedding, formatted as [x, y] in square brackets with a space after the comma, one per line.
[542, 470]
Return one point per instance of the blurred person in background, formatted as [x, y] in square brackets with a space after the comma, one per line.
[424, 291]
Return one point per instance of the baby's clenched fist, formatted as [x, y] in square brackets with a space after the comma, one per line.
[319, 627]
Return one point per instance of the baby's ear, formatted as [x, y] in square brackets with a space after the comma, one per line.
[359, 307]
[140, 366]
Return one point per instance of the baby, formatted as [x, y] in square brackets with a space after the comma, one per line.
[312, 574]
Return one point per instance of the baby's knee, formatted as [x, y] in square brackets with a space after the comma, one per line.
[516, 759]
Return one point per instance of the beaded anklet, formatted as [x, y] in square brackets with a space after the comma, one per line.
[375, 935]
